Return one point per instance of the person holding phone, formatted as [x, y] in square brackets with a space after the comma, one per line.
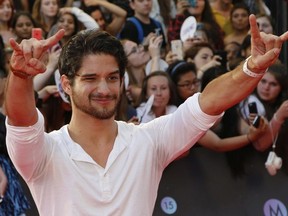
[108, 163]
[140, 28]
[183, 74]
[270, 98]
[202, 55]
[202, 12]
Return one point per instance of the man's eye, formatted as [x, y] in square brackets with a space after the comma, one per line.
[88, 78]
[113, 78]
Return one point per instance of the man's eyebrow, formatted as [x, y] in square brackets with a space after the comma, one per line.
[95, 75]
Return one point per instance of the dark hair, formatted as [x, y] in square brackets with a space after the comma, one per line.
[88, 42]
[270, 19]
[90, 9]
[192, 51]
[22, 13]
[240, 5]
[178, 68]
[214, 31]
[77, 25]
[143, 95]
[279, 71]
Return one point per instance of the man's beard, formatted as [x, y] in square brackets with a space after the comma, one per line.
[98, 113]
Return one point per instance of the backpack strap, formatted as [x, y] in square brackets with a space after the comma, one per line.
[138, 25]
[139, 28]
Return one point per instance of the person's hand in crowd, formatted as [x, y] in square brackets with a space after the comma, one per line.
[255, 133]
[3, 183]
[133, 93]
[170, 57]
[92, 2]
[147, 39]
[181, 6]
[155, 46]
[215, 61]
[53, 58]
[64, 10]
[30, 56]
[251, 118]
[282, 113]
[265, 48]
[134, 120]
[48, 91]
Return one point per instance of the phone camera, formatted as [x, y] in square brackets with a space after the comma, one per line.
[273, 163]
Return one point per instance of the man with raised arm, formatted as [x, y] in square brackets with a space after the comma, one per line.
[96, 165]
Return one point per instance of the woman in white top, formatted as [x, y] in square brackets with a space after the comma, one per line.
[161, 87]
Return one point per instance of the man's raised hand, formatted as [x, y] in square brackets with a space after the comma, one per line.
[30, 56]
[265, 48]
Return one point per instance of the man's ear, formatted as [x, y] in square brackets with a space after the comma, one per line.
[65, 82]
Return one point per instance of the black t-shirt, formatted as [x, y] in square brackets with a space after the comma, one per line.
[130, 31]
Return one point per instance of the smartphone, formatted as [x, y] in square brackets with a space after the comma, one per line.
[253, 107]
[223, 55]
[37, 33]
[157, 32]
[256, 121]
[176, 48]
[193, 3]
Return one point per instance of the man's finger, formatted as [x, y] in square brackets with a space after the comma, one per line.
[270, 56]
[255, 33]
[284, 36]
[54, 39]
[14, 45]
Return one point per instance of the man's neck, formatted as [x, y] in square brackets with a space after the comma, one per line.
[92, 131]
[143, 18]
[95, 136]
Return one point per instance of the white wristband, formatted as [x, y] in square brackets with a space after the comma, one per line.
[250, 73]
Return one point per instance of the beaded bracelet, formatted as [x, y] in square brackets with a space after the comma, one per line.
[249, 72]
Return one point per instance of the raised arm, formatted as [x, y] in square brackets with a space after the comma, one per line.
[81, 16]
[234, 86]
[28, 59]
[275, 125]
[118, 14]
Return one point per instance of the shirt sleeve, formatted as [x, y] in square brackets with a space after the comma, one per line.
[26, 147]
[176, 133]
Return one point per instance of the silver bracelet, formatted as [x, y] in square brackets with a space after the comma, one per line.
[251, 73]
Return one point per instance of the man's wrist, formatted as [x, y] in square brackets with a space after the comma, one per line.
[20, 74]
[251, 71]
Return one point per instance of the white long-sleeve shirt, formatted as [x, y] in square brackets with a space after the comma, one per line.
[65, 180]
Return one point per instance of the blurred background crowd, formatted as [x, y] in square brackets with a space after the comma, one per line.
[174, 49]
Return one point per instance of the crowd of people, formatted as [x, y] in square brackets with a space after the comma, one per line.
[115, 59]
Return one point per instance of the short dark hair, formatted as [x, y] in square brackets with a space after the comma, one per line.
[88, 42]
[22, 13]
[178, 68]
